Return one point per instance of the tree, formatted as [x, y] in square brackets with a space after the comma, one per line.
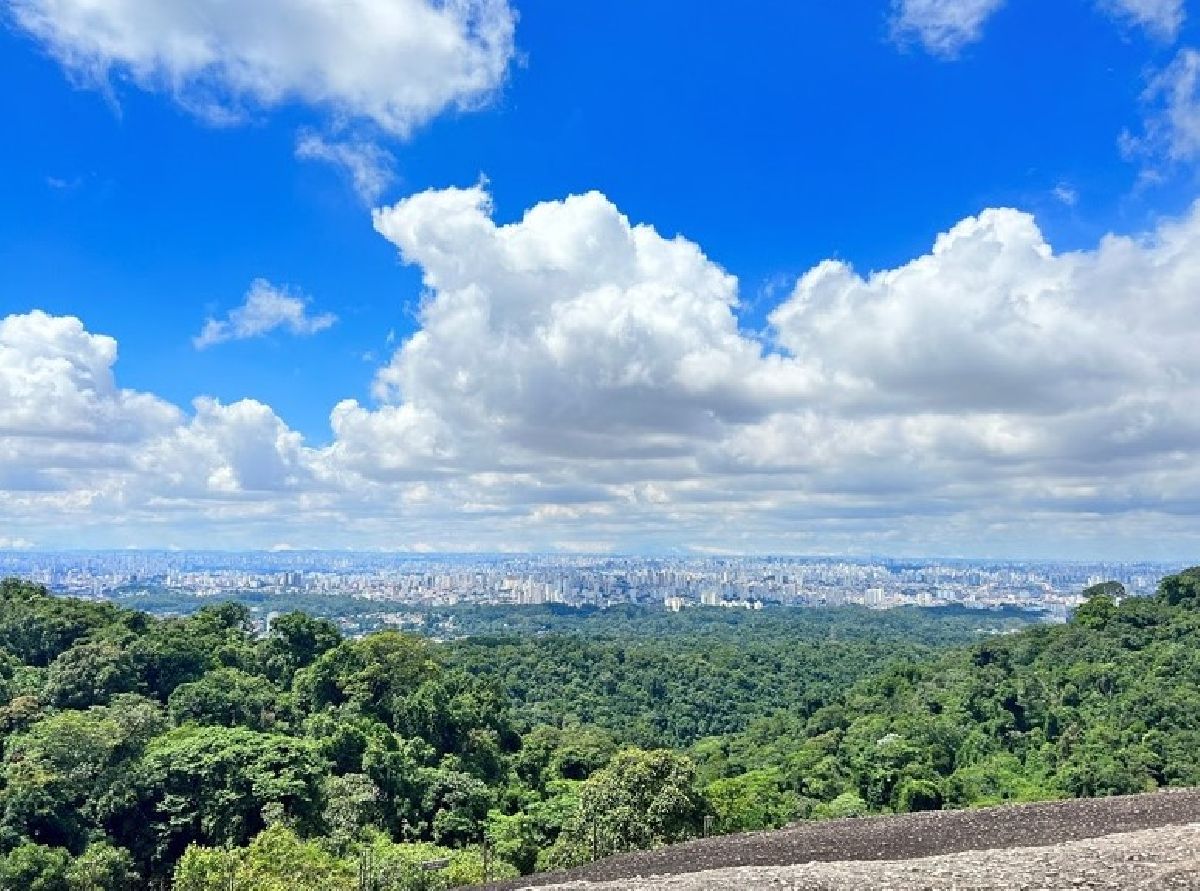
[848, 804]
[170, 655]
[352, 806]
[454, 806]
[371, 675]
[641, 798]
[276, 860]
[294, 641]
[211, 785]
[89, 673]
[228, 697]
[754, 800]
[918, 795]
[102, 867]
[67, 774]
[1181, 589]
[580, 752]
[32, 867]
[1115, 590]
[207, 869]
[1097, 611]
[36, 627]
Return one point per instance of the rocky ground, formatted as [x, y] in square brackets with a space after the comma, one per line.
[1139, 841]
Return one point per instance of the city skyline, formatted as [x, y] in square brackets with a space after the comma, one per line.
[370, 591]
[914, 277]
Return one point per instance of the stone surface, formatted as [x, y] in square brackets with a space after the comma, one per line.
[1151, 839]
[1164, 858]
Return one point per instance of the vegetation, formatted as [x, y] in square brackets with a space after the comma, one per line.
[189, 752]
[1107, 704]
[657, 679]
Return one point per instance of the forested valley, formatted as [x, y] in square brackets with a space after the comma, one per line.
[193, 753]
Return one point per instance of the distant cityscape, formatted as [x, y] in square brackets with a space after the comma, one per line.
[673, 583]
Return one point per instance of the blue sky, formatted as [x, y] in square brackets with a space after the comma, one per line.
[770, 136]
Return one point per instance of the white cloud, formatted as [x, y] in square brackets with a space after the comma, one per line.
[1066, 194]
[267, 308]
[78, 451]
[1162, 18]
[396, 63]
[371, 168]
[228, 449]
[15, 544]
[946, 27]
[571, 332]
[943, 27]
[574, 359]
[56, 383]
[1172, 128]
[578, 380]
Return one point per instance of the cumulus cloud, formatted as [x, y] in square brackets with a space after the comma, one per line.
[994, 350]
[943, 27]
[370, 167]
[56, 382]
[79, 452]
[579, 377]
[228, 449]
[395, 63]
[575, 358]
[571, 332]
[266, 308]
[1161, 18]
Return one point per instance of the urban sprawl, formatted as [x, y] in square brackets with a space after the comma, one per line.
[674, 583]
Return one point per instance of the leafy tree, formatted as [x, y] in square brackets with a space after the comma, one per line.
[1111, 589]
[89, 673]
[848, 804]
[640, 799]
[208, 869]
[102, 867]
[294, 641]
[373, 675]
[279, 860]
[170, 655]
[67, 774]
[276, 860]
[352, 807]
[1182, 589]
[455, 804]
[212, 785]
[36, 868]
[759, 799]
[918, 795]
[36, 627]
[228, 697]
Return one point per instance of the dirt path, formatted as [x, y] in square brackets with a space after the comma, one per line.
[894, 838]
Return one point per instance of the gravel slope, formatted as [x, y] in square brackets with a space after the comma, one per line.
[901, 838]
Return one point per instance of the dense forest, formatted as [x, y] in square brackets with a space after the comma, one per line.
[193, 753]
[657, 679]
